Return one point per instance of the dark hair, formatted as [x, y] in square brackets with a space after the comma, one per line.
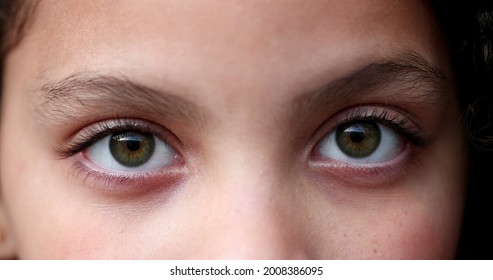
[15, 16]
[468, 26]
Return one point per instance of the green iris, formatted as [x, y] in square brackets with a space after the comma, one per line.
[132, 148]
[358, 140]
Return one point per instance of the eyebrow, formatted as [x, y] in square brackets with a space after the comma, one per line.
[82, 93]
[406, 78]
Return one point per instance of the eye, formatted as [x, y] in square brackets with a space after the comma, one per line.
[361, 142]
[130, 151]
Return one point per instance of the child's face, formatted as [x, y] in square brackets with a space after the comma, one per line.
[231, 129]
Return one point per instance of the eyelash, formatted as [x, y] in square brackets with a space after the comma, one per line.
[400, 124]
[132, 183]
[90, 135]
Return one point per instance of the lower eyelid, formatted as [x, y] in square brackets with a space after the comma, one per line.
[360, 175]
[367, 175]
[124, 184]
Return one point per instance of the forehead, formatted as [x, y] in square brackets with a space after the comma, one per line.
[208, 42]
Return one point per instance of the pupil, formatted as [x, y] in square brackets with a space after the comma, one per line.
[357, 136]
[133, 145]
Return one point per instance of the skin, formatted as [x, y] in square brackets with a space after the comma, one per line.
[248, 182]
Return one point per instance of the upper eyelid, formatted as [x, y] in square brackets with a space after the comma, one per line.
[374, 112]
[406, 78]
[382, 115]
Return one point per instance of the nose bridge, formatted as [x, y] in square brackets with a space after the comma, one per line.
[246, 192]
[247, 214]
